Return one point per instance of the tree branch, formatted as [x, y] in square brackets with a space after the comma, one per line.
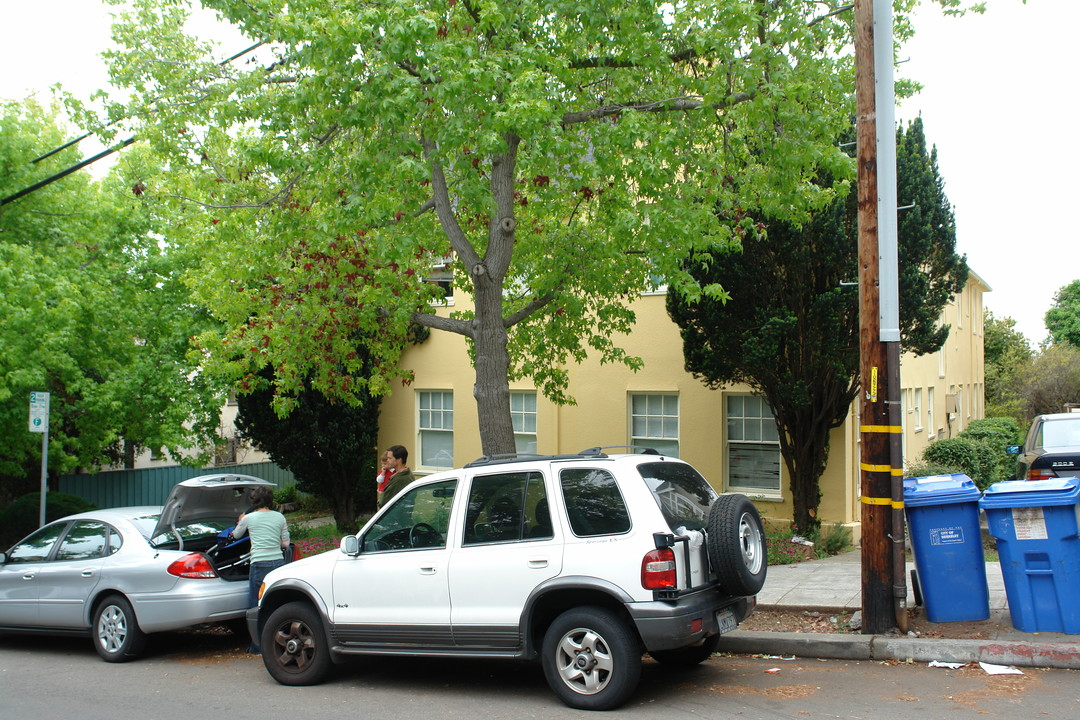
[534, 305]
[438, 322]
[670, 105]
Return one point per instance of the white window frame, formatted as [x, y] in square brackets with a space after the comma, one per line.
[523, 416]
[916, 407]
[434, 422]
[741, 431]
[660, 412]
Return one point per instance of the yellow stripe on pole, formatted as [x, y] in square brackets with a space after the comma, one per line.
[881, 469]
[898, 504]
[881, 429]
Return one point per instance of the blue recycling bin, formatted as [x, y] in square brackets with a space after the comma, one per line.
[946, 540]
[1034, 523]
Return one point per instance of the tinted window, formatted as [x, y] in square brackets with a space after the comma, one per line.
[86, 540]
[37, 547]
[683, 495]
[594, 505]
[507, 507]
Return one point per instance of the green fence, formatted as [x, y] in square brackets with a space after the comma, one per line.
[151, 486]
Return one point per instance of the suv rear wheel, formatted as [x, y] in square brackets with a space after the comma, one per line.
[737, 544]
[294, 646]
[591, 659]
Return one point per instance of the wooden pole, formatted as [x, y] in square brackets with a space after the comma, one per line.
[875, 423]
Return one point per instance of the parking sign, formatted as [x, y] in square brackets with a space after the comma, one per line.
[39, 412]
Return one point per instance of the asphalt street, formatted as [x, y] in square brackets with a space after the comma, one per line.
[64, 678]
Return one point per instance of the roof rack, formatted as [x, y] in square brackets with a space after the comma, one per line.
[634, 449]
[591, 453]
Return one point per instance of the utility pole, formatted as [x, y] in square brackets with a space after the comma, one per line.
[884, 587]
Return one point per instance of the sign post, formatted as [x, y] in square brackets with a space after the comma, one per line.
[39, 423]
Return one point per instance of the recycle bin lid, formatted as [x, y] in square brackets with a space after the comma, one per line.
[940, 490]
[1031, 493]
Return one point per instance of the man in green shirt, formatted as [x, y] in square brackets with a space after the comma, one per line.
[402, 474]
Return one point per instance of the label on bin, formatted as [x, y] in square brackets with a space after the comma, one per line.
[947, 536]
[1029, 523]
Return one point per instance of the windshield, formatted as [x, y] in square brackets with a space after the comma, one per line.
[683, 495]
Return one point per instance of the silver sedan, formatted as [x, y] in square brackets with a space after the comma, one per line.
[122, 573]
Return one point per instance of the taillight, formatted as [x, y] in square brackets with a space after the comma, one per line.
[1040, 474]
[194, 565]
[658, 570]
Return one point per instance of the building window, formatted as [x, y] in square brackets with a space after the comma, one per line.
[436, 426]
[753, 446]
[930, 413]
[654, 422]
[917, 409]
[523, 415]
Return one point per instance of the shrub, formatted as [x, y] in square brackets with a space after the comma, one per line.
[979, 460]
[833, 540]
[21, 517]
[286, 495]
[924, 468]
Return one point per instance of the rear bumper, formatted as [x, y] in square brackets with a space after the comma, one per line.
[194, 603]
[687, 621]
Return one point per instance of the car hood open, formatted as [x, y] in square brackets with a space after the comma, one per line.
[207, 497]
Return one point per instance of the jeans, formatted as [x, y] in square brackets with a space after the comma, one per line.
[256, 573]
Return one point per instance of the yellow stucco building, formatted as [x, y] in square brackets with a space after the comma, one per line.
[728, 434]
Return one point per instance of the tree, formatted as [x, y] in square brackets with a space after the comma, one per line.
[91, 311]
[329, 446]
[791, 327]
[1063, 319]
[1051, 381]
[1007, 356]
[561, 154]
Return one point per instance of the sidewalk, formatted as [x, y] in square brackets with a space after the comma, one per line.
[835, 585]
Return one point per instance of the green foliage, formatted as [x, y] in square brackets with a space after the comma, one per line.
[980, 460]
[925, 468]
[1008, 357]
[833, 539]
[21, 517]
[329, 446]
[785, 545]
[286, 495]
[789, 327]
[92, 311]
[1051, 381]
[1063, 318]
[557, 152]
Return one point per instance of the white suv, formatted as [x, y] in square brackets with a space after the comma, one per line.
[585, 561]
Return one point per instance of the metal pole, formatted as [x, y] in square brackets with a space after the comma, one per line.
[44, 473]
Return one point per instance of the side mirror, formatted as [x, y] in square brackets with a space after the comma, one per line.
[1013, 449]
[350, 545]
[3, 558]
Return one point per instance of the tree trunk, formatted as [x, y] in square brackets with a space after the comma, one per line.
[491, 388]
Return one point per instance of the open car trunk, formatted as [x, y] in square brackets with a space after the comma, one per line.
[199, 516]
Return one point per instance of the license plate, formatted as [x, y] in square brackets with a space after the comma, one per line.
[725, 621]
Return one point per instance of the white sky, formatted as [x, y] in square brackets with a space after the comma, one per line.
[999, 104]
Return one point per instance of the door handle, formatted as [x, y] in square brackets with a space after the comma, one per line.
[538, 563]
[427, 569]
[87, 573]
[29, 576]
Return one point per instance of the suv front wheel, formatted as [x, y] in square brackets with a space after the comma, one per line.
[591, 659]
[294, 646]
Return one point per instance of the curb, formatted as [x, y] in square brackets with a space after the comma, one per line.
[1060, 655]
